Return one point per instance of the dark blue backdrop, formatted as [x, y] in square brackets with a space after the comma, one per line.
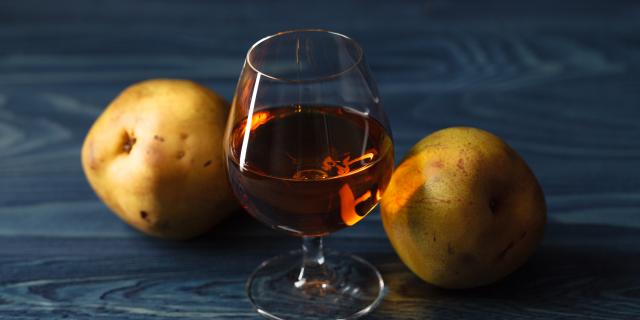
[558, 80]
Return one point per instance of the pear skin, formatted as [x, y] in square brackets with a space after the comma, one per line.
[463, 209]
[155, 158]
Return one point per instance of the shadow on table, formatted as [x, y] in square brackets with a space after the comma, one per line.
[572, 273]
[238, 238]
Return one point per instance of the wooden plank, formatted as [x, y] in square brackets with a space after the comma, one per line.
[557, 80]
[569, 277]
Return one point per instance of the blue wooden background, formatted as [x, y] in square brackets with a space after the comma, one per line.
[559, 80]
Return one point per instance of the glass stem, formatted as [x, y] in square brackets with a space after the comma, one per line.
[314, 273]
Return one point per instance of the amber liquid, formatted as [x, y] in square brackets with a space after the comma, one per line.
[309, 170]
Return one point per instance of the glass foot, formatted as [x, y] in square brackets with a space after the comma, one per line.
[347, 288]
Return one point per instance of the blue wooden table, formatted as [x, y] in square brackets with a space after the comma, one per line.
[558, 80]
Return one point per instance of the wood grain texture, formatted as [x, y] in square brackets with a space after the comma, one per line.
[557, 79]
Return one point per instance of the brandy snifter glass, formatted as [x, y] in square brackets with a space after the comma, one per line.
[309, 152]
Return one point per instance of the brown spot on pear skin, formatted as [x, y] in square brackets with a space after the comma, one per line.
[158, 138]
[503, 253]
[183, 136]
[180, 155]
[141, 92]
[128, 141]
[461, 166]
[437, 164]
[206, 164]
[144, 215]
[434, 237]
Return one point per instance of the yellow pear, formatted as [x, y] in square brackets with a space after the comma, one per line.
[463, 209]
[155, 157]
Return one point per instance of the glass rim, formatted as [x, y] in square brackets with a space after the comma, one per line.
[330, 76]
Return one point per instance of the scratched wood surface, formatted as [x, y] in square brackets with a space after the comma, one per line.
[559, 80]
